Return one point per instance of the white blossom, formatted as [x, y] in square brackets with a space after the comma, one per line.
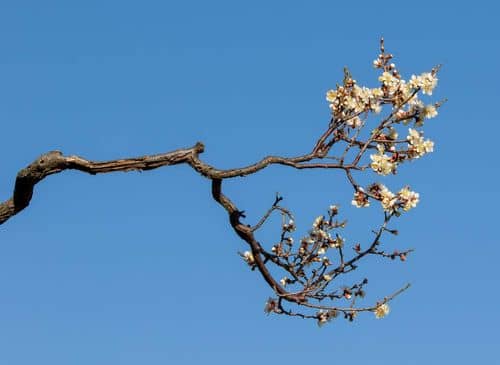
[381, 311]
[388, 199]
[382, 164]
[418, 147]
[429, 111]
[408, 198]
[426, 81]
[248, 257]
[331, 95]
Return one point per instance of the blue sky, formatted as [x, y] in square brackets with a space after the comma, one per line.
[143, 267]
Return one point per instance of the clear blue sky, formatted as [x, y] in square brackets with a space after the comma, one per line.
[143, 268]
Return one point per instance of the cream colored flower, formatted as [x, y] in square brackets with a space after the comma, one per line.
[353, 103]
[363, 94]
[382, 310]
[429, 111]
[429, 82]
[406, 90]
[354, 122]
[413, 136]
[408, 198]
[338, 242]
[426, 81]
[377, 93]
[415, 81]
[388, 199]
[331, 95]
[418, 147]
[376, 107]
[322, 234]
[317, 222]
[387, 78]
[382, 164]
[428, 146]
[248, 257]
[327, 277]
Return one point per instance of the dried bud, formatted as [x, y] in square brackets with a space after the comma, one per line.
[334, 209]
[352, 315]
[277, 249]
[333, 313]
[271, 306]
[290, 226]
[322, 317]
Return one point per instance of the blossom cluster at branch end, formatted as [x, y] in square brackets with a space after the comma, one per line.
[306, 268]
[405, 199]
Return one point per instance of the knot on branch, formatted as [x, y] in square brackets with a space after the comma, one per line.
[48, 163]
[199, 147]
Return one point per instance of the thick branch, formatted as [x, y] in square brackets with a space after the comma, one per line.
[245, 233]
[54, 162]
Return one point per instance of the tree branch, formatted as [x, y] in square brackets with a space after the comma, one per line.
[307, 262]
[54, 162]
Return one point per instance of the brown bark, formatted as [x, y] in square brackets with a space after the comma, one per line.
[54, 162]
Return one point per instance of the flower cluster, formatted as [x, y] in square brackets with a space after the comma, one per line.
[387, 198]
[429, 111]
[350, 100]
[393, 84]
[405, 199]
[309, 266]
[426, 81]
[320, 237]
[383, 164]
[352, 104]
[417, 146]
